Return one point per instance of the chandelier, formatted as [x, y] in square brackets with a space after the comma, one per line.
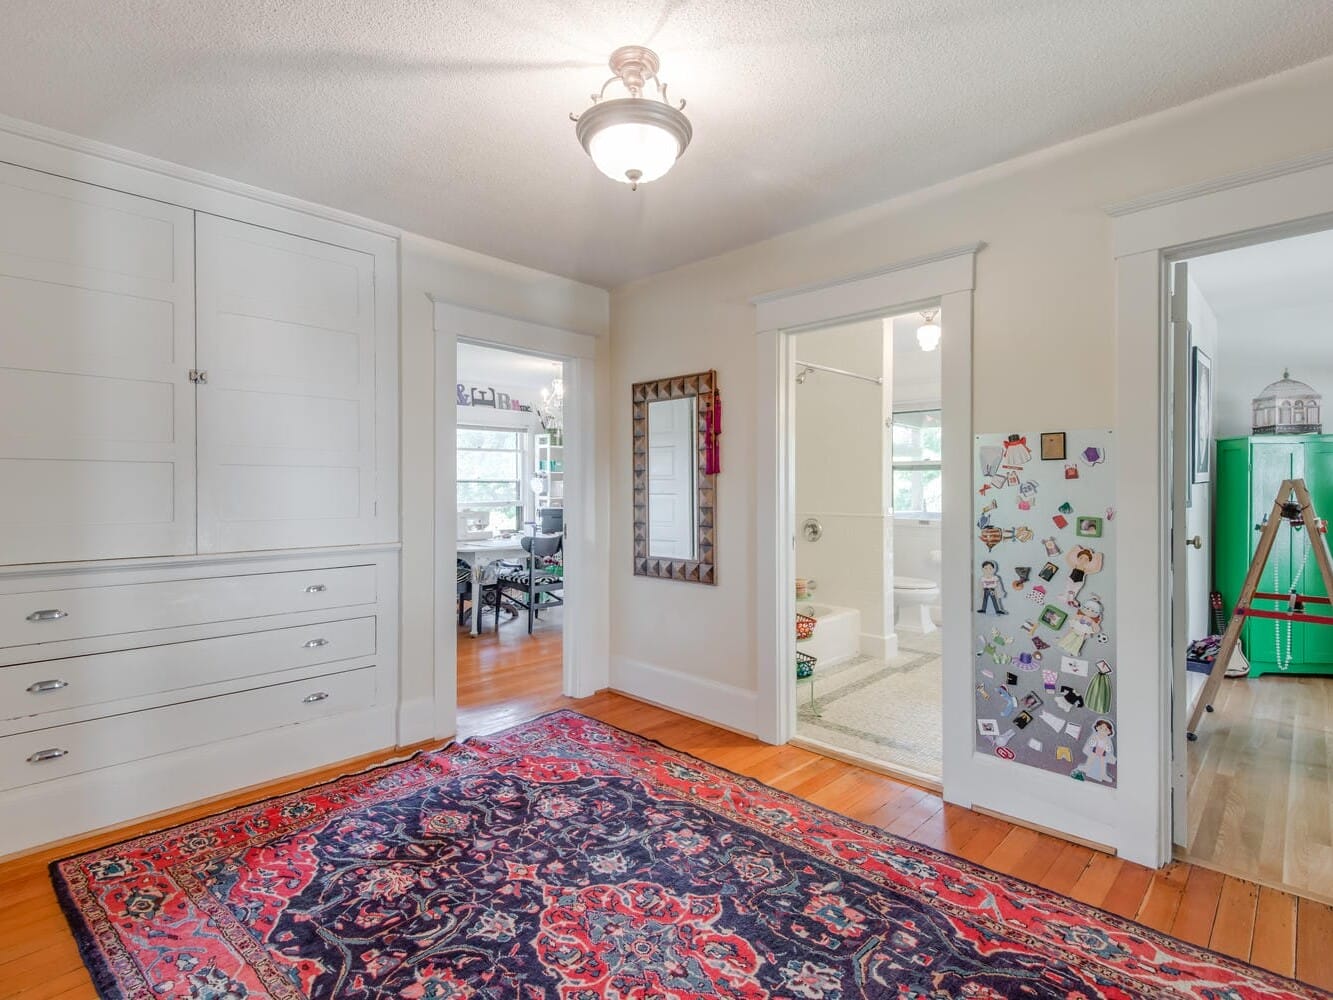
[551, 410]
[634, 139]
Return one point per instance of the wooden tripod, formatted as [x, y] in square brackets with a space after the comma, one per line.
[1285, 511]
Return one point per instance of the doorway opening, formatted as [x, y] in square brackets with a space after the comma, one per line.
[510, 499]
[1251, 335]
[866, 459]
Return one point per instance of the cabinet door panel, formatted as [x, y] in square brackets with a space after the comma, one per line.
[287, 419]
[96, 343]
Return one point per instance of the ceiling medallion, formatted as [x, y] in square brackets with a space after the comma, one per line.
[634, 139]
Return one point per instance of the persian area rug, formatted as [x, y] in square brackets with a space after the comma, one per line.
[568, 860]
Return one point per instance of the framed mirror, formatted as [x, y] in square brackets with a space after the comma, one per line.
[674, 491]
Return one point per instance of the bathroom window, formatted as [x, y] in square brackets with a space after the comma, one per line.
[490, 461]
[917, 476]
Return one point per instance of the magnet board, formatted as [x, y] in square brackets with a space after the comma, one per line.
[1043, 600]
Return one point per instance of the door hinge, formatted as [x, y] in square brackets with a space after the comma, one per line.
[198, 377]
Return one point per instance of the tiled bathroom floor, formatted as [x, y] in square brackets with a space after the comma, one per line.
[889, 710]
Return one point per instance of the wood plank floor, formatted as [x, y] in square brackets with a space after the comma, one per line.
[1261, 784]
[507, 679]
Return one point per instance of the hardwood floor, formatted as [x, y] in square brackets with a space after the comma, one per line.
[1261, 784]
[507, 679]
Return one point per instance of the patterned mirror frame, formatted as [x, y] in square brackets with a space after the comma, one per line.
[702, 386]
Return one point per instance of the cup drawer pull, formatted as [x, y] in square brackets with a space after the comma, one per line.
[316, 588]
[310, 699]
[55, 753]
[42, 687]
[48, 615]
[315, 643]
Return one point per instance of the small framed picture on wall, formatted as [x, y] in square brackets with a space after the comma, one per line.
[1053, 446]
[1201, 419]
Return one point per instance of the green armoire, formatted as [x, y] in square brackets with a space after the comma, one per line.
[1249, 472]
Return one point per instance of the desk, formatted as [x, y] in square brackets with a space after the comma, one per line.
[480, 553]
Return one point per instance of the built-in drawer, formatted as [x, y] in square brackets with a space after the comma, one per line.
[29, 758]
[54, 615]
[29, 691]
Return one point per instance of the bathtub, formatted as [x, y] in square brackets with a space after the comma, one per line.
[837, 637]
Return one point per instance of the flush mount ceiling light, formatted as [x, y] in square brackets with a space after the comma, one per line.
[634, 139]
[928, 333]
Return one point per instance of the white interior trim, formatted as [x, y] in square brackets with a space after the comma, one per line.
[586, 621]
[1276, 201]
[948, 279]
[40, 148]
[865, 294]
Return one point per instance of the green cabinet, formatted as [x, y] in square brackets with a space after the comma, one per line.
[1249, 472]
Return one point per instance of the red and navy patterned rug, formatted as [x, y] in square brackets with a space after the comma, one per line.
[568, 860]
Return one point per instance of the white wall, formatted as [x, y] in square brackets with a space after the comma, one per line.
[436, 271]
[1199, 516]
[840, 459]
[1044, 353]
[1255, 345]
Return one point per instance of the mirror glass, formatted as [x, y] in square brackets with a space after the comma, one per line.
[673, 459]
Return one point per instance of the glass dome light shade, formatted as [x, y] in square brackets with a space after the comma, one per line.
[928, 336]
[633, 140]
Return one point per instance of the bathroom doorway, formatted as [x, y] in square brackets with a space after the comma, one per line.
[867, 462]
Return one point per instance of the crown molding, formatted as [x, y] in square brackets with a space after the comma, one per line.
[1226, 183]
[21, 129]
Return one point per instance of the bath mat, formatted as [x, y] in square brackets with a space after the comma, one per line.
[566, 859]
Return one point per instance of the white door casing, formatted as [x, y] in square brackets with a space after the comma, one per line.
[945, 279]
[96, 343]
[1147, 234]
[586, 654]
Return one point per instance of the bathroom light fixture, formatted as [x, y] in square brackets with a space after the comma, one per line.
[634, 139]
[928, 333]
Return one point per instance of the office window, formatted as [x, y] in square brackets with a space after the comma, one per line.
[917, 476]
[490, 469]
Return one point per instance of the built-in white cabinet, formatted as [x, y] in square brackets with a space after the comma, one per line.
[198, 493]
[172, 382]
[97, 411]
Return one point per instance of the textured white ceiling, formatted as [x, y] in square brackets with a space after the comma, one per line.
[450, 119]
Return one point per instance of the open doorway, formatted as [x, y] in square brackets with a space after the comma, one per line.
[866, 457]
[510, 497]
[1255, 795]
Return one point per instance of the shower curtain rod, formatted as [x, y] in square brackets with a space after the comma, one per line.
[840, 371]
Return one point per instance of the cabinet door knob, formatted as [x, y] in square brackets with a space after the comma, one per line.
[48, 615]
[1196, 541]
[42, 687]
[316, 588]
[55, 753]
[315, 643]
[310, 699]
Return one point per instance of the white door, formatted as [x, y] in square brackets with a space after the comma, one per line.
[287, 436]
[1181, 566]
[96, 344]
[672, 457]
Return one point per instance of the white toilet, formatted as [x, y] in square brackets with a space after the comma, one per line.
[911, 591]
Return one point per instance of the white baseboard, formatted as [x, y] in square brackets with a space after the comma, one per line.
[416, 721]
[732, 707]
[880, 646]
